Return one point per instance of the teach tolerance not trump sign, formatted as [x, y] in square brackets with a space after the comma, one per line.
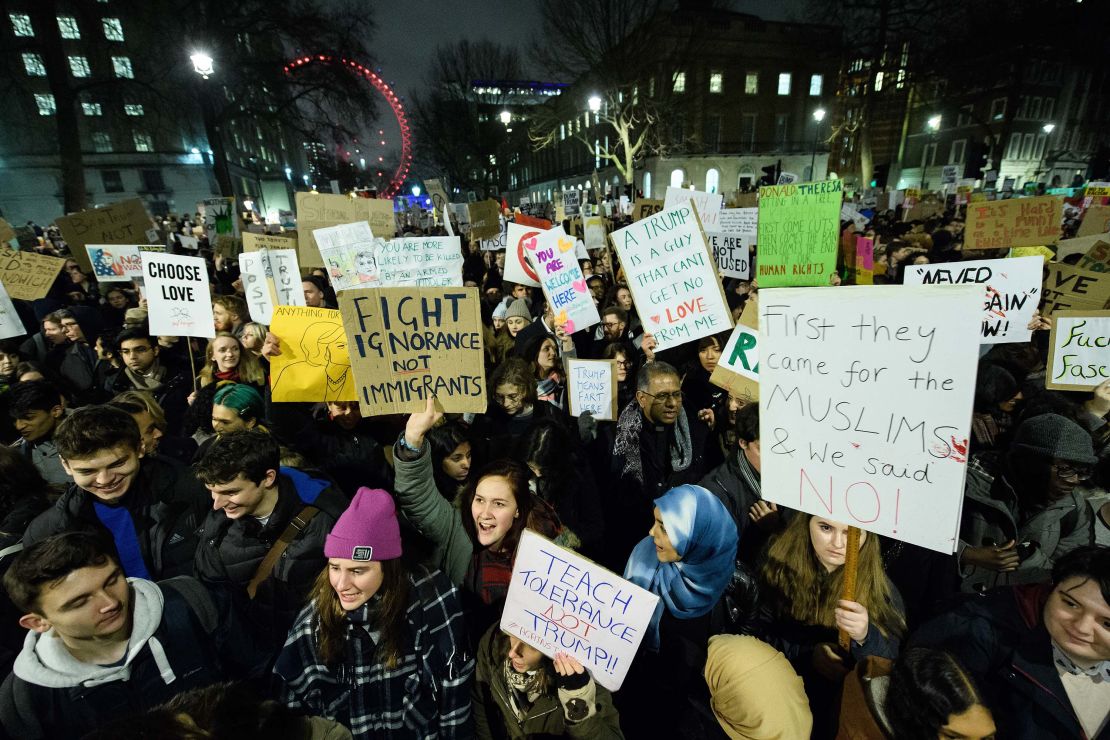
[672, 277]
[407, 345]
[866, 397]
[560, 602]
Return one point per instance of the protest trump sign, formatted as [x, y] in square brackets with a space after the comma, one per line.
[592, 388]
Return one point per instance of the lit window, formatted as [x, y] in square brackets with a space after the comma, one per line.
[680, 82]
[113, 29]
[79, 66]
[784, 83]
[751, 83]
[562, 132]
[647, 184]
[878, 81]
[998, 109]
[677, 176]
[102, 142]
[635, 95]
[34, 65]
[651, 88]
[21, 25]
[900, 82]
[712, 180]
[45, 103]
[67, 25]
[716, 82]
[91, 109]
[815, 82]
[142, 142]
[122, 67]
[133, 109]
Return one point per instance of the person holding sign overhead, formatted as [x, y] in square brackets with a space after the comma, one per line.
[687, 559]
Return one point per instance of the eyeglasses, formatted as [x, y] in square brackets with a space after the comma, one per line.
[625, 364]
[610, 324]
[666, 398]
[1067, 470]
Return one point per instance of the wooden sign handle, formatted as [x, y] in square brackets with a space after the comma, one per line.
[851, 562]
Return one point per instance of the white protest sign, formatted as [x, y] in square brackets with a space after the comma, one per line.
[848, 212]
[434, 262]
[1079, 350]
[348, 252]
[115, 263]
[671, 274]
[520, 242]
[739, 221]
[188, 242]
[558, 601]
[10, 324]
[594, 232]
[592, 387]
[732, 253]
[865, 398]
[497, 243]
[1013, 291]
[563, 282]
[708, 204]
[271, 277]
[179, 303]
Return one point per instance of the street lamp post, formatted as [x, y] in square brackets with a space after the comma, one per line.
[204, 66]
[933, 125]
[818, 116]
[1048, 128]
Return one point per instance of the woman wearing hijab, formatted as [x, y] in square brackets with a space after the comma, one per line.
[687, 560]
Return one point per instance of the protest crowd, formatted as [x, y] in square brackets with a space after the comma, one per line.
[388, 482]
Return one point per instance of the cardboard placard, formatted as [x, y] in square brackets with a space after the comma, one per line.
[594, 232]
[179, 303]
[437, 193]
[1078, 245]
[485, 219]
[672, 277]
[1097, 258]
[731, 254]
[271, 278]
[115, 263]
[27, 276]
[228, 246]
[315, 363]
[708, 205]
[255, 242]
[1078, 351]
[429, 262]
[408, 344]
[645, 207]
[1067, 287]
[558, 601]
[319, 210]
[349, 252]
[125, 222]
[562, 281]
[866, 398]
[10, 324]
[1017, 222]
[1012, 292]
[496, 244]
[799, 232]
[1096, 220]
[520, 243]
[592, 387]
[737, 369]
[7, 233]
[1097, 190]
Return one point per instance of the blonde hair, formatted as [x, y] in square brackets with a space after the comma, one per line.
[800, 586]
[250, 369]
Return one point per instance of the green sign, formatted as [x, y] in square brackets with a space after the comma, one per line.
[799, 231]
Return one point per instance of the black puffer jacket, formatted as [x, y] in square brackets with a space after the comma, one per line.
[167, 504]
[230, 552]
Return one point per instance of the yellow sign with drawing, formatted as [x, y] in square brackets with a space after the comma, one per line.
[314, 364]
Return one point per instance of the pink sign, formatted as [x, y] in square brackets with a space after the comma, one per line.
[865, 253]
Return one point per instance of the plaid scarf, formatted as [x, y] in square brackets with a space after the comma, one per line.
[627, 444]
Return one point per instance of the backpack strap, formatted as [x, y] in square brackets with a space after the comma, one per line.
[292, 530]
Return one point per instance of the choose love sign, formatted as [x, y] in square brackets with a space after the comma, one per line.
[672, 277]
[562, 280]
[560, 602]
[178, 298]
[865, 400]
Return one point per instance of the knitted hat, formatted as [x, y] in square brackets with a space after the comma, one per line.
[1054, 436]
[500, 311]
[367, 530]
[756, 695]
[245, 400]
[519, 308]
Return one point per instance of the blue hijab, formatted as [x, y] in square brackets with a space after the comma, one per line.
[704, 536]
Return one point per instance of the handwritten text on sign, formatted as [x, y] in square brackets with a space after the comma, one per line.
[27, 275]
[178, 297]
[592, 386]
[673, 282]
[799, 227]
[560, 602]
[562, 280]
[271, 278]
[1013, 290]
[409, 344]
[1018, 222]
[866, 393]
[1079, 358]
[708, 204]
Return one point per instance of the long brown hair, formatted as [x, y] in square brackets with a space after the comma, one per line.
[517, 476]
[801, 587]
[331, 635]
[250, 369]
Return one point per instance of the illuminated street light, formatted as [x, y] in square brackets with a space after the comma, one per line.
[1048, 128]
[506, 117]
[934, 123]
[202, 64]
[416, 191]
[819, 115]
[594, 103]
